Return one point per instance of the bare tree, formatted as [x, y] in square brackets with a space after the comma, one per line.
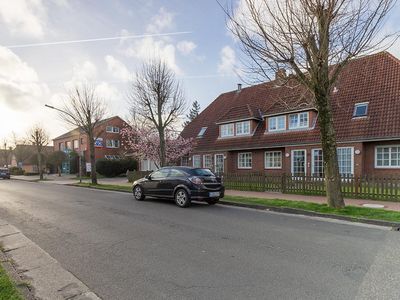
[314, 40]
[85, 109]
[40, 139]
[158, 99]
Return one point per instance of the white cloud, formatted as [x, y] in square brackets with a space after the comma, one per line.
[162, 21]
[19, 83]
[85, 72]
[24, 17]
[149, 48]
[228, 61]
[186, 47]
[117, 69]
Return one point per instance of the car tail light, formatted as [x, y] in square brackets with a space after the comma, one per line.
[196, 180]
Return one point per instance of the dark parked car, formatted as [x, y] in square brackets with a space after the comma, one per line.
[182, 184]
[4, 173]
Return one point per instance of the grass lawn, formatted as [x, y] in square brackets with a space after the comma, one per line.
[349, 211]
[8, 291]
[109, 187]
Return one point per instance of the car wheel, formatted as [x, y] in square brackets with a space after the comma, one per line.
[182, 198]
[212, 201]
[138, 193]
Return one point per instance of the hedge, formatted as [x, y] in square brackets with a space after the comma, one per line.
[112, 168]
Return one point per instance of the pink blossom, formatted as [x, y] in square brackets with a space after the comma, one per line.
[144, 143]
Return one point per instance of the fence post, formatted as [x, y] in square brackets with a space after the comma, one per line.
[283, 183]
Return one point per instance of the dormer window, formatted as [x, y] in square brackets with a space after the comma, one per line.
[243, 128]
[298, 121]
[360, 110]
[227, 130]
[202, 132]
[277, 123]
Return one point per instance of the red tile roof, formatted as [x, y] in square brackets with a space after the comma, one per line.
[374, 79]
[243, 112]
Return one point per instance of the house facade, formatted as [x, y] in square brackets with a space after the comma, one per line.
[273, 128]
[25, 157]
[107, 145]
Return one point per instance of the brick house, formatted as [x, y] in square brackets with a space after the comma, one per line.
[25, 157]
[108, 143]
[273, 128]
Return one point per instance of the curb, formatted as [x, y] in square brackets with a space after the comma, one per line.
[39, 270]
[295, 211]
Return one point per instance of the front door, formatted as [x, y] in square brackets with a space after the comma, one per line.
[299, 162]
[219, 164]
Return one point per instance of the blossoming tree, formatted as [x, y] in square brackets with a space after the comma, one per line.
[144, 143]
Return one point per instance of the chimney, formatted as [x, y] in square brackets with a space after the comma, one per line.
[280, 74]
[239, 88]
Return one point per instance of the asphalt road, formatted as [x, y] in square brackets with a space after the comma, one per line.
[123, 249]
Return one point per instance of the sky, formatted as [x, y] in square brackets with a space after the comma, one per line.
[37, 67]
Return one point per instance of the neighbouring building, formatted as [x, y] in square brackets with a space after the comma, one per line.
[273, 128]
[25, 157]
[107, 144]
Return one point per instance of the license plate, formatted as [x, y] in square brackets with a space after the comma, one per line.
[214, 194]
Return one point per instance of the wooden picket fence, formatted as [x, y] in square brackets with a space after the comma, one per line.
[365, 187]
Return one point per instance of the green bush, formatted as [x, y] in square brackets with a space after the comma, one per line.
[31, 173]
[112, 168]
[16, 171]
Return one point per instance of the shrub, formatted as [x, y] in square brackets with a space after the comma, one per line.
[16, 171]
[31, 173]
[112, 168]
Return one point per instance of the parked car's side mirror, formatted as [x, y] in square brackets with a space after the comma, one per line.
[148, 177]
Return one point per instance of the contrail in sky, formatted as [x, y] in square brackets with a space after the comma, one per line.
[98, 39]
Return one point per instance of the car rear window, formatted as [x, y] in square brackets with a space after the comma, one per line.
[202, 172]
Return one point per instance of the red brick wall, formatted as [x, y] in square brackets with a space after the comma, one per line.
[100, 152]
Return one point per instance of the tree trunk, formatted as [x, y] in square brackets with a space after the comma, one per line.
[40, 166]
[328, 141]
[59, 170]
[93, 174]
[162, 147]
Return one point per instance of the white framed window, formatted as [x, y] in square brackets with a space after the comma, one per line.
[196, 161]
[69, 145]
[277, 123]
[245, 160]
[112, 143]
[317, 163]
[387, 156]
[76, 144]
[207, 161]
[273, 160]
[299, 120]
[227, 130]
[299, 162]
[345, 157]
[202, 132]
[360, 109]
[243, 128]
[185, 160]
[219, 163]
[112, 129]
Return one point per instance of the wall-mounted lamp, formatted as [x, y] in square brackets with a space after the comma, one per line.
[287, 154]
[357, 151]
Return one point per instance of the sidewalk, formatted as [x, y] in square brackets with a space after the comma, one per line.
[315, 199]
[68, 179]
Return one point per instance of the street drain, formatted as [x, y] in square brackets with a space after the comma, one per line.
[395, 228]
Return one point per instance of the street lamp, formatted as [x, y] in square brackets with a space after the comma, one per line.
[79, 154]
